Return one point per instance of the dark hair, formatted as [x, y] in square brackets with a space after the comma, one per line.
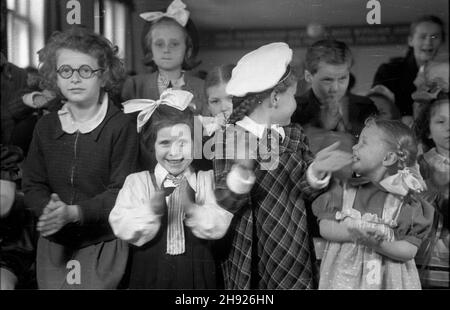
[85, 41]
[218, 75]
[189, 61]
[422, 124]
[330, 51]
[243, 106]
[400, 138]
[396, 115]
[164, 116]
[428, 19]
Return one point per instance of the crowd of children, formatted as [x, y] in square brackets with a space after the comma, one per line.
[326, 190]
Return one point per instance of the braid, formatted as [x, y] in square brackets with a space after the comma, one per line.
[401, 139]
[243, 106]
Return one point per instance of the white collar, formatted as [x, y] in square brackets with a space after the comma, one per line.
[69, 125]
[176, 84]
[161, 174]
[258, 129]
[437, 160]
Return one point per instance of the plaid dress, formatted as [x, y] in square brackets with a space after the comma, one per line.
[269, 244]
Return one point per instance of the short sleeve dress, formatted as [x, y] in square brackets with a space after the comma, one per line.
[366, 204]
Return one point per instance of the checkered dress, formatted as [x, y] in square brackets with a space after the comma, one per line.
[270, 243]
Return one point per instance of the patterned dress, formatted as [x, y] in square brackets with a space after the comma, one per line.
[350, 265]
[269, 246]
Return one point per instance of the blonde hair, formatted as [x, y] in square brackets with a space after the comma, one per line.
[400, 138]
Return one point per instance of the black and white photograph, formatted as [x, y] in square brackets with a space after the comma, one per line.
[218, 152]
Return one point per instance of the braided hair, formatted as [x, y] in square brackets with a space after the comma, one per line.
[243, 106]
[400, 138]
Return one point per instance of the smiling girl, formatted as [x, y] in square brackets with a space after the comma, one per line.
[375, 223]
[169, 213]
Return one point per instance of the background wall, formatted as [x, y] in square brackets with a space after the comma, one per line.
[235, 15]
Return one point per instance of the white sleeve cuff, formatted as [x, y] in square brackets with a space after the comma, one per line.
[237, 183]
[314, 181]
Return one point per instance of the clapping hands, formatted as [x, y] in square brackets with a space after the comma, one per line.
[56, 215]
[370, 237]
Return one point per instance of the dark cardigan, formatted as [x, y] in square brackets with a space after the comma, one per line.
[145, 86]
[87, 170]
[398, 75]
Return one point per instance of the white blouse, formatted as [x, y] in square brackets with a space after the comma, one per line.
[133, 220]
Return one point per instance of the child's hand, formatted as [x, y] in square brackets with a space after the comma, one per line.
[40, 101]
[237, 143]
[330, 159]
[56, 215]
[368, 237]
[157, 202]
[186, 201]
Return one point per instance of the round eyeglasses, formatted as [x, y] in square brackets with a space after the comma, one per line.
[86, 72]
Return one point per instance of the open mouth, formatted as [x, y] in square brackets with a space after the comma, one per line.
[427, 50]
[175, 161]
[355, 158]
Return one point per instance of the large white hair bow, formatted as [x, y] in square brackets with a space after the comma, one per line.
[176, 10]
[404, 181]
[178, 99]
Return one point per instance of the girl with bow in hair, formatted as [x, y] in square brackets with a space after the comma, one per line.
[169, 212]
[170, 44]
[375, 223]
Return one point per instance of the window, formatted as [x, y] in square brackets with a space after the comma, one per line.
[25, 24]
[114, 26]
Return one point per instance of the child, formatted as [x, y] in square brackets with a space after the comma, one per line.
[219, 109]
[328, 104]
[433, 129]
[431, 80]
[220, 105]
[18, 236]
[426, 36]
[169, 212]
[169, 49]
[375, 223]
[384, 100]
[269, 244]
[78, 160]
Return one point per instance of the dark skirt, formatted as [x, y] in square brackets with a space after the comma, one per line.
[152, 268]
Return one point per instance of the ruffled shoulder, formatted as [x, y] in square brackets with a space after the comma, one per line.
[415, 219]
[328, 204]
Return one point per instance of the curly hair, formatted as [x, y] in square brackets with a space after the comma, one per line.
[189, 61]
[400, 138]
[243, 106]
[82, 40]
[329, 51]
[422, 124]
[164, 116]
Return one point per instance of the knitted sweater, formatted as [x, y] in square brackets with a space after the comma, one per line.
[87, 170]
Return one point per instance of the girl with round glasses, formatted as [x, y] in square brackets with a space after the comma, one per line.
[78, 160]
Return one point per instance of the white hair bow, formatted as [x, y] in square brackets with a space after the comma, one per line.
[178, 99]
[404, 181]
[176, 10]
